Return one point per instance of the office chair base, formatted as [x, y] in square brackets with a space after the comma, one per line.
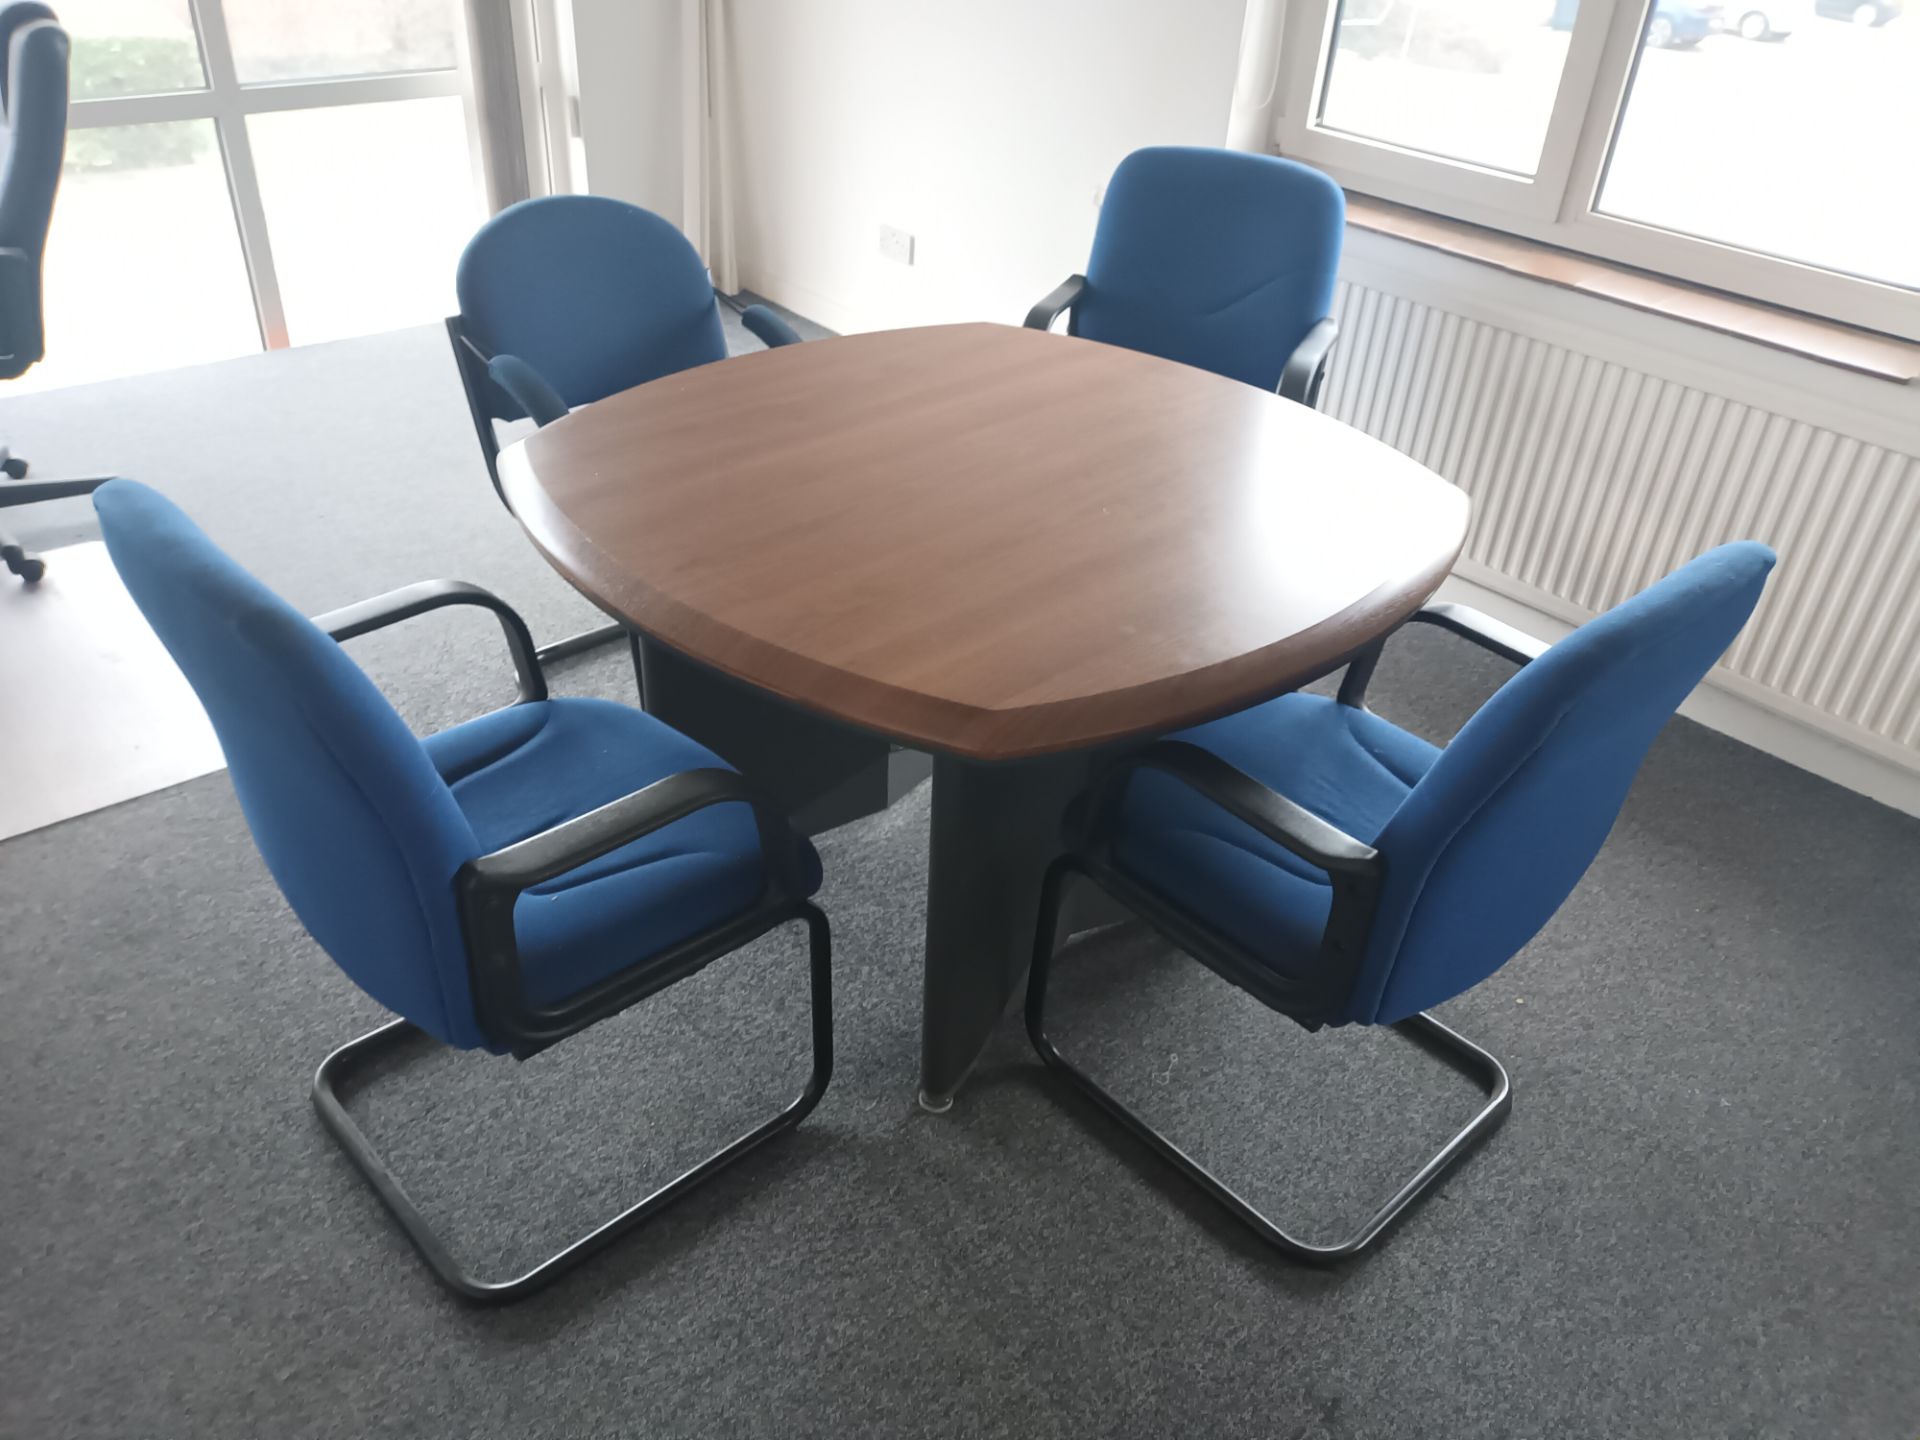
[1448, 1045]
[357, 1054]
[579, 644]
[28, 567]
[17, 491]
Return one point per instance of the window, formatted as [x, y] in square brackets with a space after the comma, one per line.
[1765, 147]
[312, 164]
[1458, 82]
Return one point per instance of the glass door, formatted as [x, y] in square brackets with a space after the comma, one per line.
[249, 173]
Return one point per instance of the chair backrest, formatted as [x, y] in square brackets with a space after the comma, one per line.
[1496, 835]
[352, 818]
[596, 294]
[1220, 259]
[33, 99]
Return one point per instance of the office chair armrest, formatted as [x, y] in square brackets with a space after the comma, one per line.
[489, 887]
[1483, 630]
[585, 838]
[1356, 871]
[771, 329]
[528, 387]
[1306, 369]
[411, 600]
[1062, 299]
[1462, 620]
[1292, 827]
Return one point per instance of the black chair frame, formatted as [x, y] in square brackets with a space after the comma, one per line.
[16, 491]
[471, 361]
[487, 888]
[1356, 872]
[1301, 378]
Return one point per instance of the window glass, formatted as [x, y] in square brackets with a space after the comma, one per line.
[1799, 142]
[368, 207]
[1467, 80]
[311, 40]
[124, 295]
[131, 47]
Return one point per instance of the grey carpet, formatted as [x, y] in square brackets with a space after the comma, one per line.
[1700, 1221]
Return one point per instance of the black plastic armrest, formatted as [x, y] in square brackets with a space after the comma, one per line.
[489, 887]
[411, 600]
[772, 330]
[1483, 630]
[585, 838]
[518, 378]
[1355, 870]
[1061, 299]
[1306, 369]
[1462, 620]
[530, 390]
[1291, 826]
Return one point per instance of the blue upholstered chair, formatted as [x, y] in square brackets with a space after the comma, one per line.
[501, 885]
[1344, 872]
[33, 95]
[1216, 258]
[568, 299]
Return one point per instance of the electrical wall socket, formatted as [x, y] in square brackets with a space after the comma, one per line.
[896, 244]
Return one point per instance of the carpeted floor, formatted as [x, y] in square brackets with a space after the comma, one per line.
[1703, 1218]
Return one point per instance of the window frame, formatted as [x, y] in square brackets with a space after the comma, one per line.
[1557, 205]
[228, 101]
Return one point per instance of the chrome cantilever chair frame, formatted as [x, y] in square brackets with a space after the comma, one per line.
[488, 888]
[1355, 870]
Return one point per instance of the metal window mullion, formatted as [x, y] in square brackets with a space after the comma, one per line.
[1606, 108]
[140, 109]
[202, 103]
[264, 97]
[243, 180]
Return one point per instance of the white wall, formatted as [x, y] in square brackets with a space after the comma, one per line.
[628, 58]
[983, 127]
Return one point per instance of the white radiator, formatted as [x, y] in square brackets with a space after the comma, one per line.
[1591, 477]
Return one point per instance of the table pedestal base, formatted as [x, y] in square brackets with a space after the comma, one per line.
[996, 828]
[821, 773]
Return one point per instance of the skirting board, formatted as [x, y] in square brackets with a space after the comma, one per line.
[1810, 741]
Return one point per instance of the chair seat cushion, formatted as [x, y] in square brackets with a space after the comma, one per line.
[528, 768]
[1348, 766]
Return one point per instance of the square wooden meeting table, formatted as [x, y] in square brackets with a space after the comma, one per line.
[1013, 551]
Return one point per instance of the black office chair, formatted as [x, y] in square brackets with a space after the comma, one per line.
[33, 101]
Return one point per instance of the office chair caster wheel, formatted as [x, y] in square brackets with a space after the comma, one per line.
[15, 467]
[28, 567]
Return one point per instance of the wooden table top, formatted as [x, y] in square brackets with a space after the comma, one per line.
[984, 540]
